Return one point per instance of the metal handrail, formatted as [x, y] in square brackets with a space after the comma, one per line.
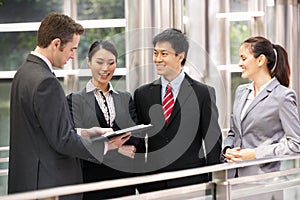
[4, 172]
[5, 148]
[73, 189]
[4, 160]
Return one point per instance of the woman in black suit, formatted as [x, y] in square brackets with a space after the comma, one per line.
[101, 105]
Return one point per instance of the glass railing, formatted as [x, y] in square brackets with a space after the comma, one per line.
[284, 184]
[3, 170]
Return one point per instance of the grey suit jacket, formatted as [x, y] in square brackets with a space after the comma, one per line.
[44, 146]
[270, 125]
[84, 114]
[82, 105]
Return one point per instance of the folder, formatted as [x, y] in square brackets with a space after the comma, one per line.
[133, 129]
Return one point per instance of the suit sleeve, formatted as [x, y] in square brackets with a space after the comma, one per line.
[230, 139]
[138, 141]
[210, 127]
[74, 104]
[289, 117]
[55, 119]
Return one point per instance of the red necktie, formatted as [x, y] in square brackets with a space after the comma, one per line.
[168, 103]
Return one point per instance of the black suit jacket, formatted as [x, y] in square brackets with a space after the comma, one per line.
[193, 122]
[44, 146]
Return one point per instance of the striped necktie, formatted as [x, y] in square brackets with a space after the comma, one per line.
[168, 103]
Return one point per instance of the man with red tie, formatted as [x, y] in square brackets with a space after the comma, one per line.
[183, 112]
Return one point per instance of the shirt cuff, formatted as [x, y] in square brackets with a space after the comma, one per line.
[78, 131]
[105, 148]
[225, 148]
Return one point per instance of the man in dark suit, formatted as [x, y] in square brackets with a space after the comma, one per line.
[190, 136]
[44, 144]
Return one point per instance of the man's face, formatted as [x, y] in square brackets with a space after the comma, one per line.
[64, 53]
[167, 62]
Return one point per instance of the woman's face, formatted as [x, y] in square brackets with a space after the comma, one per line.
[248, 63]
[102, 65]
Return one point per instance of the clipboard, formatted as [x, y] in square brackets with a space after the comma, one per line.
[133, 129]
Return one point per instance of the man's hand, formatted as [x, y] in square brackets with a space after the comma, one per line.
[94, 131]
[117, 142]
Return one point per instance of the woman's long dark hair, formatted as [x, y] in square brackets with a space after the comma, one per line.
[276, 55]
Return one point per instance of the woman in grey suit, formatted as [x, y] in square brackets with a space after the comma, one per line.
[99, 104]
[265, 121]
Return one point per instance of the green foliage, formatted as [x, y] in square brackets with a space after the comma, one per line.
[100, 9]
[4, 112]
[236, 80]
[15, 46]
[116, 35]
[239, 31]
[27, 10]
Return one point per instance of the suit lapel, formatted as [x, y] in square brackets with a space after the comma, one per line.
[262, 95]
[185, 91]
[92, 104]
[155, 92]
[89, 98]
[256, 100]
[155, 97]
[241, 103]
[118, 107]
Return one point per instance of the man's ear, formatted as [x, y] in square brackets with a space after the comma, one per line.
[56, 43]
[181, 56]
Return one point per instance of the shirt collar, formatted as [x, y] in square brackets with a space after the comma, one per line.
[251, 87]
[46, 60]
[91, 87]
[175, 84]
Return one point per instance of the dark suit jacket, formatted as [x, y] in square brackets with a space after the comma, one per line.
[193, 122]
[44, 146]
[86, 113]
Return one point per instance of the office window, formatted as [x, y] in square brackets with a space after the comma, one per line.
[4, 111]
[14, 48]
[19, 21]
[239, 30]
[101, 9]
[114, 34]
[20, 11]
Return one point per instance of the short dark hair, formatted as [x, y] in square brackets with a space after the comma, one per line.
[56, 25]
[176, 38]
[105, 44]
[276, 55]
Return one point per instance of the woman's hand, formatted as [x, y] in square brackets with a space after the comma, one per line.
[127, 150]
[117, 142]
[237, 154]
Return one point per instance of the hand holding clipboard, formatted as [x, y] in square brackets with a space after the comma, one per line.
[132, 130]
